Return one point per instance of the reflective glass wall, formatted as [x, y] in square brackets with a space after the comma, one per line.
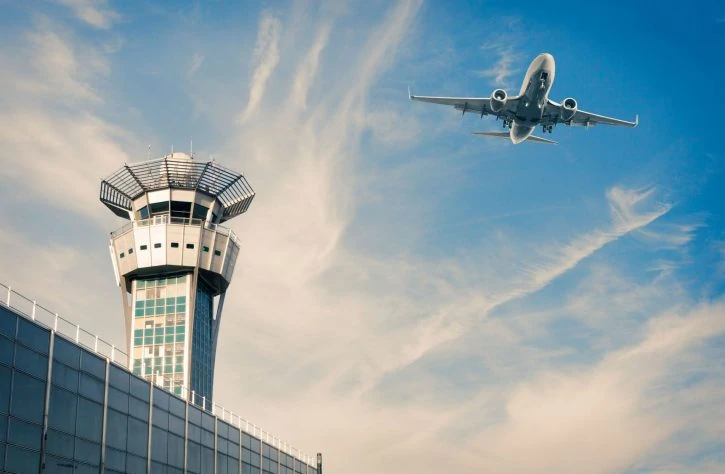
[99, 418]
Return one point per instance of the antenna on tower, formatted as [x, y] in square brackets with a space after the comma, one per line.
[149, 153]
[191, 147]
[172, 150]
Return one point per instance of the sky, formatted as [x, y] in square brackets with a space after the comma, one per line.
[409, 297]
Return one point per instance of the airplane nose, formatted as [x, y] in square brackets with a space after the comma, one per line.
[547, 60]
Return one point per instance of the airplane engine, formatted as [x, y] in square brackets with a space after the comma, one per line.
[498, 100]
[568, 109]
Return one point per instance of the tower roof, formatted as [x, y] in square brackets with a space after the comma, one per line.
[177, 171]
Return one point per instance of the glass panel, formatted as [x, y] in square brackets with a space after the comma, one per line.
[200, 211]
[22, 460]
[33, 336]
[3, 432]
[176, 451]
[117, 400]
[8, 323]
[28, 397]
[66, 352]
[207, 421]
[135, 463]
[88, 452]
[115, 460]
[207, 459]
[89, 424]
[31, 362]
[159, 444]
[138, 408]
[7, 351]
[118, 378]
[62, 411]
[92, 388]
[65, 377]
[137, 439]
[193, 458]
[61, 444]
[116, 429]
[24, 434]
[194, 433]
[93, 365]
[161, 419]
[207, 438]
[159, 208]
[176, 425]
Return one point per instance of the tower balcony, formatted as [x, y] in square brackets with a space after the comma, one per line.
[165, 244]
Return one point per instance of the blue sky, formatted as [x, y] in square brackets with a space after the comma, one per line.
[409, 296]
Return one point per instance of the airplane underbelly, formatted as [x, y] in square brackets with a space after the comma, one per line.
[530, 110]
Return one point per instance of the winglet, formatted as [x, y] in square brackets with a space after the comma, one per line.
[636, 120]
[410, 96]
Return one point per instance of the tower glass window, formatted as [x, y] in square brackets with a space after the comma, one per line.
[201, 350]
[160, 329]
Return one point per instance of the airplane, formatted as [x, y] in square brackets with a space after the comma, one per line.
[521, 114]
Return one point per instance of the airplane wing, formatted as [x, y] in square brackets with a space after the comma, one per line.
[552, 115]
[478, 105]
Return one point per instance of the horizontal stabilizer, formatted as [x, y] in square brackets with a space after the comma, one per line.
[506, 135]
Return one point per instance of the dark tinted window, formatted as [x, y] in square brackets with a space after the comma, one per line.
[8, 322]
[28, 395]
[33, 336]
[159, 208]
[200, 211]
[31, 362]
[66, 352]
[180, 209]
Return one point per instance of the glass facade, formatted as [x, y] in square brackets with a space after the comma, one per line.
[202, 375]
[160, 328]
[65, 408]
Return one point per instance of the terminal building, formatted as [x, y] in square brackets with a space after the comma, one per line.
[71, 403]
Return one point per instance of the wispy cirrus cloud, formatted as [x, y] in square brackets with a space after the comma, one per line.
[507, 64]
[552, 413]
[95, 13]
[266, 57]
[50, 119]
[308, 67]
[568, 347]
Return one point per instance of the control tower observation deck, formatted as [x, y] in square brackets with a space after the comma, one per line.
[173, 263]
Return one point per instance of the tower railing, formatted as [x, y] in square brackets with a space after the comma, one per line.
[30, 309]
[167, 219]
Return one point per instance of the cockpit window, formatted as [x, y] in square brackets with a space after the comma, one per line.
[544, 75]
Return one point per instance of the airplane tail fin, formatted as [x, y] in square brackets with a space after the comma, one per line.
[506, 135]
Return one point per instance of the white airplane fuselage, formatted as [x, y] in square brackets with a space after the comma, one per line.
[534, 95]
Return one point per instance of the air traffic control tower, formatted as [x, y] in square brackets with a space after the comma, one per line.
[173, 263]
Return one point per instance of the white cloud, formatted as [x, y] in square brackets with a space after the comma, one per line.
[603, 418]
[266, 57]
[47, 64]
[507, 64]
[96, 13]
[49, 120]
[196, 61]
[308, 67]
